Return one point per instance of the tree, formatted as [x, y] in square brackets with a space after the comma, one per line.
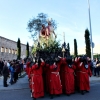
[87, 42]
[75, 48]
[27, 50]
[68, 48]
[35, 24]
[18, 49]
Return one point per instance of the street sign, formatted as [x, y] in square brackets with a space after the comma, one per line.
[93, 44]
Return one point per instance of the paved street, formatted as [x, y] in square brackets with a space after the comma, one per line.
[20, 91]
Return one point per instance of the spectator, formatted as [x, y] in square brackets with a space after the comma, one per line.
[94, 67]
[97, 66]
[1, 66]
[21, 67]
[12, 70]
[5, 74]
[17, 70]
[90, 62]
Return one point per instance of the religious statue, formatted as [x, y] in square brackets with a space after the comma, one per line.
[46, 34]
[50, 31]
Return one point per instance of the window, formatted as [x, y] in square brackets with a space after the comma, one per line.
[6, 50]
[2, 49]
[15, 51]
[9, 50]
[12, 51]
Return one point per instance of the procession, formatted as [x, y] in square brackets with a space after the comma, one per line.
[49, 50]
[51, 70]
[56, 73]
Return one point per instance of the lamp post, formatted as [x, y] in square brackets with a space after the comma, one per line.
[64, 36]
[90, 30]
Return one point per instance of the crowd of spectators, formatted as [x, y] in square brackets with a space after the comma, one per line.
[11, 69]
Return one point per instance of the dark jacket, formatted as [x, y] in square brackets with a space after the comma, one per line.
[5, 71]
[1, 65]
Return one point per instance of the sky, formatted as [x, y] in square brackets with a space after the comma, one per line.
[71, 15]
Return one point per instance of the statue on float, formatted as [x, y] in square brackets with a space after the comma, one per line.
[47, 34]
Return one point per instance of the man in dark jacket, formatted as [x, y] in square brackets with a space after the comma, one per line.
[5, 74]
[1, 66]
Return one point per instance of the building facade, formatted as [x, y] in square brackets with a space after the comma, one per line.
[8, 49]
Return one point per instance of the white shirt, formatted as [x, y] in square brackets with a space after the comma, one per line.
[94, 64]
[24, 65]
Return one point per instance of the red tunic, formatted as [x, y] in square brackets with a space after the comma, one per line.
[84, 77]
[30, 78]
[69, 79]
[77, 75]
[62, 74]
[47, 77]
[37, 81]
[55, 82]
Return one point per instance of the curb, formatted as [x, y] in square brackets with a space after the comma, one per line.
[13, 89]
[92, 81]
[23, 75]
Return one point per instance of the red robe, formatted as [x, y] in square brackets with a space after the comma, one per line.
[84, 77]
[62, 74]
[47, 77]
[30, 78]
[27, 68]
[77, 63]
[37, 81]
[69, 79]
[55, 82]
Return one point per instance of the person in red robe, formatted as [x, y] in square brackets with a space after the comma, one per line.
[69, 76]
[84, 73]
[55, 82]
[62, 72]
[37, 79]
[30, 78]
[77, 63]
[47, 74]
[27, 67]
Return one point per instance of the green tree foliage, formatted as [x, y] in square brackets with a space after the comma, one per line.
[54, 48]
[75, 48]
[27, 50]
[18, 49]
[35, 24]
[96, 56]
[87, 42]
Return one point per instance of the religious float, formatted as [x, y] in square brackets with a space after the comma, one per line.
[47, 47]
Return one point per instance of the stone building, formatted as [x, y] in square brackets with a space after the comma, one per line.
[8, 49]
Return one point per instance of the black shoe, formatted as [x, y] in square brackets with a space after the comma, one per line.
[51, 97]
[82, 92]
[5, 85]
[68, 94]
[34, 98]
[87, 91]
[73, 93]
[58, 95]
[42, 97]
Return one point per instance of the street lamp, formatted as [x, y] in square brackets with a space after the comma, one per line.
[90, 30]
